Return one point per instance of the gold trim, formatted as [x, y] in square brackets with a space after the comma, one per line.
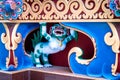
[15, 38]
[112, 39]
[5, 37]
[65, 10]
[79, 51]
[8, 60]
[114, 66]
[52, 21]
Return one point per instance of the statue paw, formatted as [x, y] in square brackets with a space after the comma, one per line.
[39, 65]
[47, 65]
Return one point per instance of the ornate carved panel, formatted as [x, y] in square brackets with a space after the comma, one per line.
[66, 10]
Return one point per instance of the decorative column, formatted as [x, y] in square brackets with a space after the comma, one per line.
[11, 40]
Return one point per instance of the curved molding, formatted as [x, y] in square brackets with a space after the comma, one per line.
[16, 37]
[8, 59]
[7, 39]
[112, 39]
[65, 10]
[11, 42]
[79, 51]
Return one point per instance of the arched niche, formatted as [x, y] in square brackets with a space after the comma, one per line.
[85, 42]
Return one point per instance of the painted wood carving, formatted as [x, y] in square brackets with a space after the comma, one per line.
[83, 33]
[56, 41]
[105, 59]
[60, 11]
[11, 9]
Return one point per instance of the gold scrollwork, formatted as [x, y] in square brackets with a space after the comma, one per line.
[5, 37]
[79, 52]
[112, 39]
[65, 10]
[14, 39]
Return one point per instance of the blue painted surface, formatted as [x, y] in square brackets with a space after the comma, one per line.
[101, 65]
[24, 61]
[3, 51]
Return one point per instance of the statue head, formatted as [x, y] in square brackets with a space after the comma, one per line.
[58, 31]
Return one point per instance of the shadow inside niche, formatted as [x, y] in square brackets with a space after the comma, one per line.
[61, 58]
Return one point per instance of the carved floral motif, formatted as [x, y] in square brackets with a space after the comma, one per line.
[10, 9]
[115, 7]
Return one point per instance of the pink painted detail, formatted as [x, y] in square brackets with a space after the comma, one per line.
[14, 14]
[1, 2]
[18, 10]
[11, 59]
[18, 3]
[118, 67]
[12, 4]
[6, 14]
[118, 3]
[1, 9]
[10, 19]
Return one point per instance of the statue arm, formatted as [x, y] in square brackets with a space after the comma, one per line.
[70, 37]
[44, 30]
[67, 39]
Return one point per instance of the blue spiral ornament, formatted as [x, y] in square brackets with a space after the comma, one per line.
[113, 5]
[10, 9]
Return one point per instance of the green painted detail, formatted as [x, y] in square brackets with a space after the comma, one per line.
[76, 35]
[80, 57]
[37, 63]
[41, 53]
[68, 39]
[43, 24]
[45, 61]
[37, 55]
[33, 58]
[38, 51]
[45, 34]
[37, 38]
[48, 38]
[45, 55]
[41, 45]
